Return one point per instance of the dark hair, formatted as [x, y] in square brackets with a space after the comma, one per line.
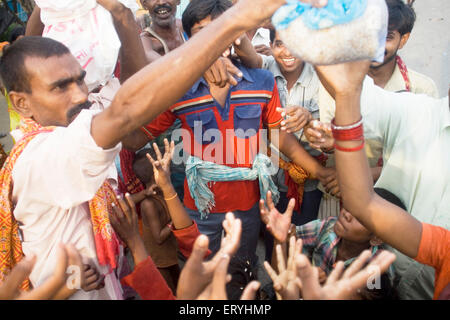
[197, 10]
[273, 33]
[12, 63]
[16, 33]
[386, 291]
[389, 196]
[142, 168]
[401, 16]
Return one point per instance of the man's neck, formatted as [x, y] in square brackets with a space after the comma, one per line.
[349, 249]
[166, 32]
[219, 94]
[383, 74]
[292, 77]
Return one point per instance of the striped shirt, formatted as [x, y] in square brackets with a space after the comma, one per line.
[226, 134]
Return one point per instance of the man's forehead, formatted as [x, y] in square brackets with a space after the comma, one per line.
[46, 71]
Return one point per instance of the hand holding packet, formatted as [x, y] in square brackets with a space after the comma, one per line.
[87, 29]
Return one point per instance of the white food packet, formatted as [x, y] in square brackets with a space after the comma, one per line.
[344, 30]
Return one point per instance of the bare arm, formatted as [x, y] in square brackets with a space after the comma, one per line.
[150, 54]
[160, 84]
[35, 27]
[389, 222]
[132, 55]
[247, 53]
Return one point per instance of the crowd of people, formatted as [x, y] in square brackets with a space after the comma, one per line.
[210, 136]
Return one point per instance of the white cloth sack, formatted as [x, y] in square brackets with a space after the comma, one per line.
[87, 29]
[361, 38]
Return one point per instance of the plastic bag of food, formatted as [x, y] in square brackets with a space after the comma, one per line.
[343, 30]
[87, 29]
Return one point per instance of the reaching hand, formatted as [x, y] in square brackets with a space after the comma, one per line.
[320, 136]
[256, 12]
[94, 280]
[263, 49]
[277, 224]
[286, 283]
[328, 178]
[54, 288]
[297, 118]
[124, 220]
[341, 284]
[197, 274]
[222, 72]
[161, 166]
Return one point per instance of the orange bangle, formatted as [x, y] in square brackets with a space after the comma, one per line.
[172, 197]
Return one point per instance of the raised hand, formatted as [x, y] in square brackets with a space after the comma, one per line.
[298, 117]
[197, 273]
[328, 178]
[286, 283]
[340, 284]
[124, 220]
[277, 224]
[222, 72]
[263, 49]
[161, 166]
[54, 288]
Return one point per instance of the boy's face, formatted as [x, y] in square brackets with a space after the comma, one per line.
[285, 60]
[394, 42]
[348, 228]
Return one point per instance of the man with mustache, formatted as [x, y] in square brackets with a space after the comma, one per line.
[165, 32]
[54, 185]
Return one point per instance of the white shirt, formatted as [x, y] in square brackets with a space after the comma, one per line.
[415, 131]
[54, 178]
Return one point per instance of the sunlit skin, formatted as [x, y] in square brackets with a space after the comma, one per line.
[354, 236]
[291, 67]
[58, 91]
[382, 72]
[162, 12]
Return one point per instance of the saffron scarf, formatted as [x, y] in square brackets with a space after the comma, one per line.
[106, 241]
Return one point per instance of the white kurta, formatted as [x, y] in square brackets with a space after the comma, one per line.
[54, 178]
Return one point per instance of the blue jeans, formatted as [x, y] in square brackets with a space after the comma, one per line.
[212, 227]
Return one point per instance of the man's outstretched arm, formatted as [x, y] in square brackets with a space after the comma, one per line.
[160, 84]
[389, 222]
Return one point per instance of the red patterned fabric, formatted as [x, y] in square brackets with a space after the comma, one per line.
[106, 241]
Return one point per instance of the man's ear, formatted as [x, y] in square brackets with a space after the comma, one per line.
[20, 103]
[404, 39]
[375, 241]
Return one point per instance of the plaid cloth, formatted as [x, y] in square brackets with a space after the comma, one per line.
[320, 243]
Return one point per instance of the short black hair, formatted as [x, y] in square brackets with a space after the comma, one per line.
[142, 167]
[389, 196]
[273, 34]
[401, 16]
[197, 10]
[12, 63]
[16, 33]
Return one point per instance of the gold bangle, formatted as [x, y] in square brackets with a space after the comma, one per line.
[172, 197]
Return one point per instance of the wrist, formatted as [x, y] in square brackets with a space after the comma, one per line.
[168, 190]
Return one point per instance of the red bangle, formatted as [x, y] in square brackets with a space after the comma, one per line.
[337, 147]
[353, 132]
